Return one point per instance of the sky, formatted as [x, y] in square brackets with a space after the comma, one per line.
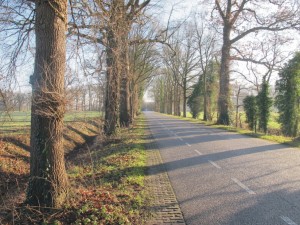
[181, 10]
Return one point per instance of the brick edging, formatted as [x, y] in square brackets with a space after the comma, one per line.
[163, 205]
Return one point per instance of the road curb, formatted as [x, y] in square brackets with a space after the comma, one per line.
[163, 205]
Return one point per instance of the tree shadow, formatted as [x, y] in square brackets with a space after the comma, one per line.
[270, 208]
[17, 142]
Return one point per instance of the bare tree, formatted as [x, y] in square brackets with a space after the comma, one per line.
[184, 63]
[240, 19]
[142, 67]
[262, 58]
[206, 43]
[114, 21]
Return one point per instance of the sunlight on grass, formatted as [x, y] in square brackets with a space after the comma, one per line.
[109, 185]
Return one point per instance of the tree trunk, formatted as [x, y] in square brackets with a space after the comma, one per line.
[112, 100]
[170, 101]
[177, 101]
[184, 101]
[224, 94]
[90, 98]
[133, 101]
[48, 183]
[125, 94]
[205, 105]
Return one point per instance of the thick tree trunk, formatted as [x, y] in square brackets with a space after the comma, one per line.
[125, 94]
[48, 184]
[224, 94]
[112, 100]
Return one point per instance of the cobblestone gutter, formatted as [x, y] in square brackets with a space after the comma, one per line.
[164, 207]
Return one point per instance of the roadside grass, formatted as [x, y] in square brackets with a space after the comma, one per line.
[107, 180]
[295, 142]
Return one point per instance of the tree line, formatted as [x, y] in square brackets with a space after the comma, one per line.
[192, 67]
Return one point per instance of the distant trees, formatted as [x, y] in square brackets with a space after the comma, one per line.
[288, 96]
[181, 61]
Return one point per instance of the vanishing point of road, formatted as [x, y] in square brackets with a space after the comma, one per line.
[224, 178]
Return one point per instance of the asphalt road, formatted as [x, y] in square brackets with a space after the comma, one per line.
[223, 178]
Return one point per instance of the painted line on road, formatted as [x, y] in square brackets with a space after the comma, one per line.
[214, 164]
[180, 138]
[187, 144]
[243, 186]
[288, 220]
[199, 153]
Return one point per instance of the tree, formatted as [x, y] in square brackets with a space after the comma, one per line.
[112, 23]
[264, 103]
[206, 45]
[239, 89]
[240, 19]
[250, 107]
[288, 96]
[210, 85]
[142, 66]
[182, 59]
[194, 100]
[48, 183]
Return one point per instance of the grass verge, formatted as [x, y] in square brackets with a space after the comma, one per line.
[108, 180]
[107, 183]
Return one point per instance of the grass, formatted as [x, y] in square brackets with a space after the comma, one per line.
[19, 122]
[110, 188]
[107, 178]
[273, 125]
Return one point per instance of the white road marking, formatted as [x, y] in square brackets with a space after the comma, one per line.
[199, 153]
[187, 144]
[288, 220]
[180, 138]
[243, 186]
[214, 164]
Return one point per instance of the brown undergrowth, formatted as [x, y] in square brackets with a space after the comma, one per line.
[106, 177]
[15, 156]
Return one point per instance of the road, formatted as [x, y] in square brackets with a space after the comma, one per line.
[223, 178]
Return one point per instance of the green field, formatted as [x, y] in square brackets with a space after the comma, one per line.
[19, 122]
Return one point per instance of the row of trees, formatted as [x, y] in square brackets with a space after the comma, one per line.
[237, 40]
[111, 40]
[122, 40]
[287, 101]
[78, 98]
